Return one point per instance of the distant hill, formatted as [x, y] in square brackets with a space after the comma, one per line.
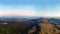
[27, 19]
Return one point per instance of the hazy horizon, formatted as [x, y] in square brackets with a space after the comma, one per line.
[44, 8]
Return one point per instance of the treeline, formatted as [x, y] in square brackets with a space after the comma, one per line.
[14, 28]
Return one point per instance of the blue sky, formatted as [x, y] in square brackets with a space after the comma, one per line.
[46, 8]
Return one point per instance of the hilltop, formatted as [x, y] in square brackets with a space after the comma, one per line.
[27, 26]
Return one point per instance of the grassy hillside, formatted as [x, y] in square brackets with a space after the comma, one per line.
[17, 27]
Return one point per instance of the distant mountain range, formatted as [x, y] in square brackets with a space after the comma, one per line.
[25, 18]
[13, 18]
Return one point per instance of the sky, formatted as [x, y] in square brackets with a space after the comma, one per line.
[46, 8]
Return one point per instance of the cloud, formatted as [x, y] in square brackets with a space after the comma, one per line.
[21, 13]
[28, 13]
[28, 10]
